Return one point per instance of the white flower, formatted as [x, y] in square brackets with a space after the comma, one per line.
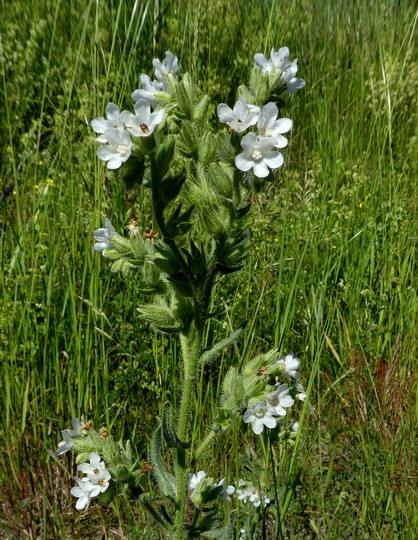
[143, 122]
[118, 150]
[96, 481]
[279, 63]
[114, 121]
[301, 395]
[270, 127]
[259, 154]
[293, 84]
[69, 434]
[243, 495]
[294, 426]
[169, 66]
[264, 499]
[260, 415]
[252, 494]
[104, 236]
[83, 492]
[279, 60]
[226, 490]
[241, 117]
[256, 499]
[96, 471]
[147, 91]
[194, 479]
[280, 399]
[66, 444]
[290, 365]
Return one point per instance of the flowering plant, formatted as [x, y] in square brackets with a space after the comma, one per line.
[201, 183]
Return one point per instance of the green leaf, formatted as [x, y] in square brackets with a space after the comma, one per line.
[166, 481]
[224, 270]
[201, 110]
[178, 223]
[196, 259]
[160, 316]
[184, 101]
[107, 497]
[213, 353]
[189, 146]
[166, 259]
[223, 533]
[163, 157]
[243, 211]
[132, 172]
[181, 284]
[170, 435]
[170, 187]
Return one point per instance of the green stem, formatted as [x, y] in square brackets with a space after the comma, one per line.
[195, 517]
[191, 352]
[273, 468]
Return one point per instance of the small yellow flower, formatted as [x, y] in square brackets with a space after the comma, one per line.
[14, 192]
[40, 162]
[36, 186]
[50, 181]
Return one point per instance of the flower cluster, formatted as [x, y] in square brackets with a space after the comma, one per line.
[264, 412]
[92, 485]
[260, 150]
[280, 66]
[204, 489]
[115, 131]
[247, 492]
[168, 67]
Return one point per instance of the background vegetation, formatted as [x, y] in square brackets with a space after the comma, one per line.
[330, 276]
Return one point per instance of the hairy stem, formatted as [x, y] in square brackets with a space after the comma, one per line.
[191, 351]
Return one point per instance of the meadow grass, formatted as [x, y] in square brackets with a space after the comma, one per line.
[331, 275]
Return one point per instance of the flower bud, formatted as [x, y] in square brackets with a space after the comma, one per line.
[201, 109]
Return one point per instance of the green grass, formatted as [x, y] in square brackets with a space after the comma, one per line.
[331, 275]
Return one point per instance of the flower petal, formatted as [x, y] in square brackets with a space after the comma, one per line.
[225, 113]
[257, 426]
[270, 422]
[283, 125]
[242, 162]
[281, 142]
[99, 124]
[274, 161]
[261, 169]
[249, 141]
[114, 162]
[104, 153]
[286, 401]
